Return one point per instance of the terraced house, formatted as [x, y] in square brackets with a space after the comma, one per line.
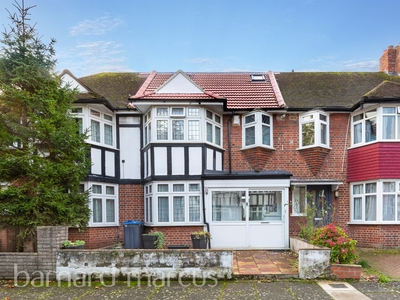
[243, 155]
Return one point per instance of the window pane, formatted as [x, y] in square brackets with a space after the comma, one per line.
[179, 187]
[162, 111]
[194, 209]
[97, 211]
[209, 114]
[266, 135]
[308, 133]
[194, 130]
[177, 111]
[163, 209]
[217, 119]
[228, 206]
[358, 117]
[357, 209]
[162, 130]
[398, 208]
[388, 127]
[108, 135]
[178, 130]
[217, 135]
[323, 118]
[358, 189]
[95, 131]
[80, 125]
[370, 208]
[110, 211]
[250, 119]
[94, 113]
[389, 187]
[250, 135]
[193, 111]
[162, 188]
[179, 209]
[194, 187]
[265, 119]
[110, 190]
[323, 134]
[370, 130]
[96, 189]
[388, 209]
[357, 133]
[370, 188]
[299, 200]
[107, 117]
[209, 133]
[389, 110]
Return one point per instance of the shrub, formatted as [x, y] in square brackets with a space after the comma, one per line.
[343, 248]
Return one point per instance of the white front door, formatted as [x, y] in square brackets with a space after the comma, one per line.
[248, 218]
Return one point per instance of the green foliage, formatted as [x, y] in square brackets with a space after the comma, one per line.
[69, 243]
[160, 241]
[364, 264]
[198, 234]
[343, 248]
[42, 158]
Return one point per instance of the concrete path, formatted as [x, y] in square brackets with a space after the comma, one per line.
[242, 289]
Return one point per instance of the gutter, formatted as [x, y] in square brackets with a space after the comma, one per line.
[204, 210]
[229, 143]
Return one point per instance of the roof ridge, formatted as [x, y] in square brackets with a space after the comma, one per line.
[145, 85]
[276, 89]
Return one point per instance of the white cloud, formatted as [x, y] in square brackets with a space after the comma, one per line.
[200, 60]
[369, 65]
[98, 26]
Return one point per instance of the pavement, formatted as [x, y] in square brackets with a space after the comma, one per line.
[282, 284]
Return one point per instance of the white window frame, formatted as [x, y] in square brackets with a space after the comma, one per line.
[153, 193]
[380, 193]
[258, 125]
[315, 118]
[380, 124]
[299, 200]
[215, 121]
[104, 197]
[85, 115]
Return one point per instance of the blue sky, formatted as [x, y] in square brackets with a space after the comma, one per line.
[215, 35]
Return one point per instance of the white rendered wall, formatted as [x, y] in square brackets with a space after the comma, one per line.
[110, 163]
[195, 159]
[96, 161]
[160, 161]
[130, 153]
[178, 160]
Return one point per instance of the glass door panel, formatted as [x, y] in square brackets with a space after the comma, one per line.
[228, 206]
[265, 205]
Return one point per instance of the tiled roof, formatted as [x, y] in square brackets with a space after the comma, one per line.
[237, 88]
[331, 89]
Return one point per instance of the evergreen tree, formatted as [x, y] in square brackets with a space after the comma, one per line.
[43, 159]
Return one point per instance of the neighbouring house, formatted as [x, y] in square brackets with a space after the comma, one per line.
[243, 155]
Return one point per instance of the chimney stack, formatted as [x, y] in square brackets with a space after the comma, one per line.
[390, 60]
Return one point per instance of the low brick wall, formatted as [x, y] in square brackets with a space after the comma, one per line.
[344, 271]
[137, 263]
[20, 265]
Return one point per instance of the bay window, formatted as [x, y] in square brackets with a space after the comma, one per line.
[174, 203]
[376, 202]
[257, 130]
[101, 128]
[314, 130]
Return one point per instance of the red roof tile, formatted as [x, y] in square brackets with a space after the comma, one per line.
[237, 88]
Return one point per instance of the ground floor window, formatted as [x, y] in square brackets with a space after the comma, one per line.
[173, 203]
[375, 202]
[104, 204]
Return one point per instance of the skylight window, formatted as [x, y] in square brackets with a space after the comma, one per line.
[257, 77]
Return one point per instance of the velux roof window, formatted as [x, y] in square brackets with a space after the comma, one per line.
[257, 77]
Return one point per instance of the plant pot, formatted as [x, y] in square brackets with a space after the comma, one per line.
[178, 246]
[74, 247]
[200, 242]
[148, 241]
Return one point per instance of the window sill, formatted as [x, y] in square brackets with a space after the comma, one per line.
[173, 224]
[257, 146]
[103, 225]
[298, 215]
[374, 142]
[375, 223]
[314, 146]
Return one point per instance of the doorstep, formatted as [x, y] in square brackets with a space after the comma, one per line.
[254, 264]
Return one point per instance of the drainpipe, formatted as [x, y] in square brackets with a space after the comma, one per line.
[204, 209]
[229, 144]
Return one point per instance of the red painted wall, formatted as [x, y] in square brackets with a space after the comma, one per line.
[375, 161]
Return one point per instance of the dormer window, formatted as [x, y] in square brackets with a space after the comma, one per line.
[257, 77]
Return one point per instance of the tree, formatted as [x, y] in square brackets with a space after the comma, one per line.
[43, 158]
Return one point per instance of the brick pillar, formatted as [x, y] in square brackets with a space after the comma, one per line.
[49, 239]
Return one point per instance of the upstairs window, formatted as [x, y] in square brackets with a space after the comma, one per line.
[314, 130]
[376, 124]
[257, 130]
[213, 128]
[101, 128]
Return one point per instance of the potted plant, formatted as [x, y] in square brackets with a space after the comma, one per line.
[200, 239]
[78, 244]
[153, 240]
